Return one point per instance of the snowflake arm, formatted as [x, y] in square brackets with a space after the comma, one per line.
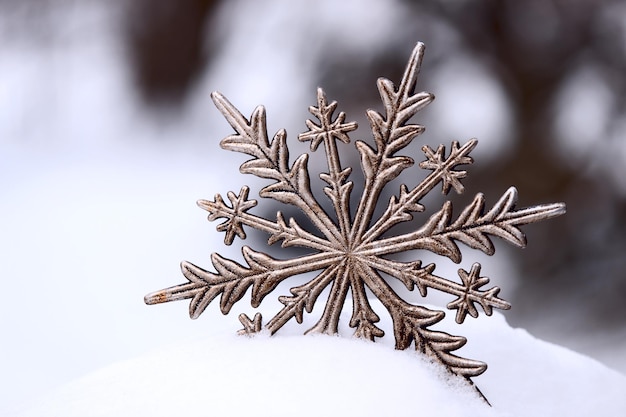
[391, 134]
[232, 280]
[468, 293]
[271, 161]
[291, 234]
[303, 298]
[363, 316]
[328, 131]
[411, 324]
[472, 227]
[399, 209]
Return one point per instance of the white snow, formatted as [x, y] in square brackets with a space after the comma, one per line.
[289, 375]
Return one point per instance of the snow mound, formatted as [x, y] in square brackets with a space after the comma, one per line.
[228, 375]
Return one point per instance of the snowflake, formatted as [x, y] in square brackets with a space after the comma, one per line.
[349, 251]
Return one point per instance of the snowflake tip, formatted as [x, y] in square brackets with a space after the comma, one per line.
[466, 302]
[437, 161]
[250, 326]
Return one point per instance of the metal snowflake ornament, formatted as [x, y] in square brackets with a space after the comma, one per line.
[348, 250]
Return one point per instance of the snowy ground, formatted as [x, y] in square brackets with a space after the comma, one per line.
[97, 209]
[323, 375]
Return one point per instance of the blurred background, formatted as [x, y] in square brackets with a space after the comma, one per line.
[108, 137]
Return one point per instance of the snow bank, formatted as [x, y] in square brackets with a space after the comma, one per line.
[338, 376]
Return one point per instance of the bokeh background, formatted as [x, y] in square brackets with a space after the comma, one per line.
[108, 136]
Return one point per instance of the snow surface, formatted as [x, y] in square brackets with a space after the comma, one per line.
[289, 375]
